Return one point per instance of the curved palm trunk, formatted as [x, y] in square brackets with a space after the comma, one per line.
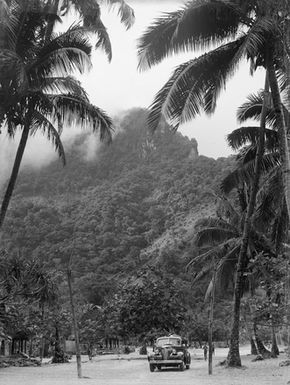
[14, 173]
[234, 358]
[260, 346]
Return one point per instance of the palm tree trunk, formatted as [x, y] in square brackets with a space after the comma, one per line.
[42, 335]
[15, 171]
[254, 350]
[274, 348]
[58, 353]
[282, 132]
[76, 328]
[259, 343]
[234, 358]
[2, 117]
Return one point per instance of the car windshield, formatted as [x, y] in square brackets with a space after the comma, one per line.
[168, 341]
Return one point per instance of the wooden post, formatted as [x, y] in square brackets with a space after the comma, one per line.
[211, 316]
[75, 324]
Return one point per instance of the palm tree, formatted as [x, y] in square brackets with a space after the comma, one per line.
[196, 84]
[49, 96]
[45, 282]
[271, 216]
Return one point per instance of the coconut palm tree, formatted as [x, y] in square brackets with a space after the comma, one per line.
[45, 283]
[48, 97]
[271, 215]
[248, 29]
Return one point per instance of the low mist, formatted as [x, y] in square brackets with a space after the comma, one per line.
[40, 152]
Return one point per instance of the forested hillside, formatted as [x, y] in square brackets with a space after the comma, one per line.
[133, 203]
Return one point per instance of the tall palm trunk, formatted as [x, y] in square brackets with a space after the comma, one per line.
[41, 350]
[274, 346]
[282, 132]
[15, 171]
[234, 358]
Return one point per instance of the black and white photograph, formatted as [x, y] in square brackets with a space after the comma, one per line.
[145, 192]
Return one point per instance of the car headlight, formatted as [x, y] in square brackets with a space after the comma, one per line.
[180, 354]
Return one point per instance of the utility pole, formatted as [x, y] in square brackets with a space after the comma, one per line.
[75, 323]
[211, 317]
[69, 281]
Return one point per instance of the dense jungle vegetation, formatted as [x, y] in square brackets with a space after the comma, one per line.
[134, 205]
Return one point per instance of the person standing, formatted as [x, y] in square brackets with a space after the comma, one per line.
[205, 349]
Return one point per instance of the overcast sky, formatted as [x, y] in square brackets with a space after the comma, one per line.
[118, 86]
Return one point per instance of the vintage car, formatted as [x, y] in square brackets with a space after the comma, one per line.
[169, 351]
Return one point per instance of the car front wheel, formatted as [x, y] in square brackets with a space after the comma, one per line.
[152, 367]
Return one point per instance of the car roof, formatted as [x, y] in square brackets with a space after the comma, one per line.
[171, 336]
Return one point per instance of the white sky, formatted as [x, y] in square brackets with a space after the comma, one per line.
[118, 86]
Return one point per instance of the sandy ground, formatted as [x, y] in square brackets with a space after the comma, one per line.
[133, 370]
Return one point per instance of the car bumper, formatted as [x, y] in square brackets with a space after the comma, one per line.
[166, 362]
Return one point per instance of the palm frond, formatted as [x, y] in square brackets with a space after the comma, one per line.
[195, 86]
[126, 13]
[212, 222]
[195, 26]
[104, 41]
[12, 70]
[40, 122]
[32, 22]
[270, 198]
[250, 135]
[257, 37]
[67, 84]
[8, 23]
[214, 235]
[204, 272]
[245, 172]
[279, 231]
[222, 259]
[65, 54]
[252, 108]
[204, 258]
[91, 13]
[74, 109]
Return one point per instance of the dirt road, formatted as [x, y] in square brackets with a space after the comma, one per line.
[131, 370]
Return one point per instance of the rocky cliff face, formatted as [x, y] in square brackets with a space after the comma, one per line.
[194, 151]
